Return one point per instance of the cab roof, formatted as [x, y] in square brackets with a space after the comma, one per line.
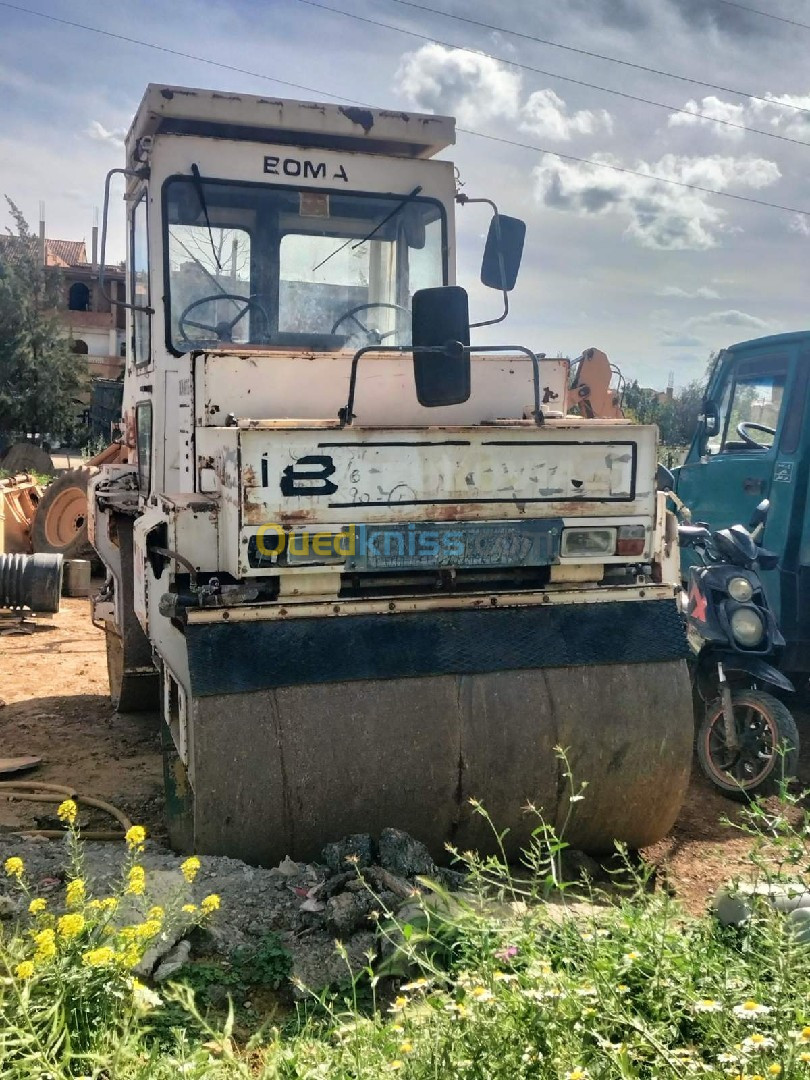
[181, 110]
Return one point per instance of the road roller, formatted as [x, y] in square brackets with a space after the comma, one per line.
[358, 556]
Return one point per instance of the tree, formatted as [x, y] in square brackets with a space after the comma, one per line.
[675, 416]
[40, 377]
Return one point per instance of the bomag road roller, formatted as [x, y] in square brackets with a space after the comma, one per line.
[367, 569]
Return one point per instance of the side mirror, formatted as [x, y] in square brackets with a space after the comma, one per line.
[503, 252]
[760, 514]
[664, 479]
[440, 333]
[711, 420]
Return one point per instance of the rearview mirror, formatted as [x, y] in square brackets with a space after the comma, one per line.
[711, 420]
[440, 332]
[664, 479]
[503, 252]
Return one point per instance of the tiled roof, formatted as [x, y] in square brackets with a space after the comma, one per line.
[65, 252]
[62, 253]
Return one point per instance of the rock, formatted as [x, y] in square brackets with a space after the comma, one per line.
[576, 866]
[173, 961]
[317, 964]
[798, 922]
[287, 868]
[347, 911]
[403, 855]
[384, 879]
[8, 907]
[338, 883]
[359, 848]
[450, 879]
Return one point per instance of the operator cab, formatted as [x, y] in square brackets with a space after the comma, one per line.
[260, 265]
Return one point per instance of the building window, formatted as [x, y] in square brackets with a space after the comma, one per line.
[80, 347]
[79, 297]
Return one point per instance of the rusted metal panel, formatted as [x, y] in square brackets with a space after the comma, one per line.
[264, 386]
[364, 476]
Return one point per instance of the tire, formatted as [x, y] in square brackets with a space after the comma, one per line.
[769, 746]
[60, 523]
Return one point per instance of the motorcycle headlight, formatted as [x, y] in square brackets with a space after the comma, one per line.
[747, 627]
[740, 589]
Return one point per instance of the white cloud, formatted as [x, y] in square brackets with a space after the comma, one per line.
[783, 114]
[98, 132]
[732, 317]
[680, 341]
[469, 86]
[660, 216]
[546, 115]
[675, 292]
[716, 108]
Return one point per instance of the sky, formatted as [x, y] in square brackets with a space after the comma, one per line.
[655, 274]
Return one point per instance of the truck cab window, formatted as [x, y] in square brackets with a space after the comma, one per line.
[259, 265]
[139, 283]
[751, 408]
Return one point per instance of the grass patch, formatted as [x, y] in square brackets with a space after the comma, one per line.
[523, 976]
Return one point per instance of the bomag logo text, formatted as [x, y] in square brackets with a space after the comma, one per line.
[309, 170]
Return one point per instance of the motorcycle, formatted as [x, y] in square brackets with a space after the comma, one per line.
[747, 740]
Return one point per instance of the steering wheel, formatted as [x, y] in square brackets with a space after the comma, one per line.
[224, 328]
[742, 431]
[374, 336]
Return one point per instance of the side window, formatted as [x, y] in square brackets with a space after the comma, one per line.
[143, 435]
[751, 407]
[139, 283]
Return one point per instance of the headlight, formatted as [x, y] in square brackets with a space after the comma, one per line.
[747, 627]
[588, 542]
[740, 589]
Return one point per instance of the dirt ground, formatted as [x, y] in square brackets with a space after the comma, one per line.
[54, 686]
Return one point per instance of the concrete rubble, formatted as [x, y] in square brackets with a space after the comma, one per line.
[307, 905]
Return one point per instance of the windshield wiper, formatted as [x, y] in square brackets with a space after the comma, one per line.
[198, 187]
[373, 232]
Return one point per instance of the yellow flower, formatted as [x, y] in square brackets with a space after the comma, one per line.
[189, 868]
[189, 909]
[14, 867]
[130, 956]
[24, 970]
[631, 956]
[480, 993]
[46, 945]
[75, 893]
[109, 903]
[156, 912]
[774, 1069]
[67, 811]
[70, 925]
[395, 1065]
[399, 1004]
[135, 837]
[136, 881]
[37, 905]
[147, 929]
[406, 1048]
[209, 904]
[98, 957]
[804, 1058]
[577, 1074]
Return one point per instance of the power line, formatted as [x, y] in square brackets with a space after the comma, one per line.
[465, 131]
[172, 52]
[555, 75]
[635, 172]
[602, 56]
[764, 14]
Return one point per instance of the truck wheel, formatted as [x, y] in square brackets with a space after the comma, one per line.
[60, 523]
[768, 750]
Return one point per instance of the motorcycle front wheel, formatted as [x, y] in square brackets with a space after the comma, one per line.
[768, 750]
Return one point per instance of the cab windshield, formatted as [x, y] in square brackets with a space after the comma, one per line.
[257, 265]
